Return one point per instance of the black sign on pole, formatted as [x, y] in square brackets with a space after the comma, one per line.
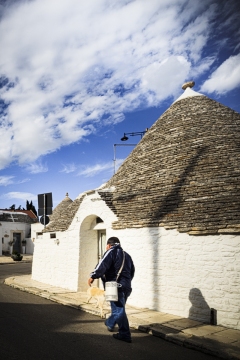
[44, 220]
[48, 202]
[41, 211]
[45, 206]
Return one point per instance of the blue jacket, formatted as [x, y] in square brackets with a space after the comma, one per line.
[111, 263]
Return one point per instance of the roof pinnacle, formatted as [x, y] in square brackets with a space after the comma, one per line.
[189, 84]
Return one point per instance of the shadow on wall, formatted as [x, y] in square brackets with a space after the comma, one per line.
[200, 310]
[169, 204]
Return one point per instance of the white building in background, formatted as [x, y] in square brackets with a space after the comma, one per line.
[15, 226]
[174, 204]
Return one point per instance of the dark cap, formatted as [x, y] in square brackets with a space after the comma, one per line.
[113, 241]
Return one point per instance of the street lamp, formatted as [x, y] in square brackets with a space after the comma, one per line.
[141, 133]
[125, 138]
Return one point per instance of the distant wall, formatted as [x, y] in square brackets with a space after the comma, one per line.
[7, 230]
[29, 246]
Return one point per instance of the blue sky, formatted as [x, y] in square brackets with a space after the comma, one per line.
[75, 75]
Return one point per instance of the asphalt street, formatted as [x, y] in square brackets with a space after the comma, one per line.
[32, 327]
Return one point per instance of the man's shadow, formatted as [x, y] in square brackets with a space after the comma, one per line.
[200, 310]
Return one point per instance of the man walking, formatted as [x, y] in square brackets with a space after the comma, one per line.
[107, 269]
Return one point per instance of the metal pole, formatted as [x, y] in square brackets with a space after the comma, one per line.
[114, 153]
[44, 210]
[114, 159]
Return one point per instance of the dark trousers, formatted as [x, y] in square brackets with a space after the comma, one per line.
[119, 316]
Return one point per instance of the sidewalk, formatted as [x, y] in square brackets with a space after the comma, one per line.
[215, 340]
[6, 259]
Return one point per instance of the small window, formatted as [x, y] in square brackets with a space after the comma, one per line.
[39, 235]
[53, 236]
[2, 240]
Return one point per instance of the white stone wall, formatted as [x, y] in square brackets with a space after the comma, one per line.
[58, 265]
[55, 260]
[175, 273]
[1, 239]
[185, 275]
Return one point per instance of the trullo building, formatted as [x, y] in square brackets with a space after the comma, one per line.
[175, 205]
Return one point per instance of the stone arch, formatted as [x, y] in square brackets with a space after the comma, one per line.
[88, 257]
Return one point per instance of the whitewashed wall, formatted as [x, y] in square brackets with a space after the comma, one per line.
[185, 275]
[55, 260]
[58, 264]
[1, 238]
[175, 273]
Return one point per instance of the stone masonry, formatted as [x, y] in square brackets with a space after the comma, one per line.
[184, 173]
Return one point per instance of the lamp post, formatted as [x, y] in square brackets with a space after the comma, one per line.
[125, 138]
[141, 133]
[114, 153]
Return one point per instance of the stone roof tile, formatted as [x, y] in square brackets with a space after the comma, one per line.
[63, 214]
[184, 172]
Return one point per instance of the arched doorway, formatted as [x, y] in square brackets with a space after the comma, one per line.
[92, 246]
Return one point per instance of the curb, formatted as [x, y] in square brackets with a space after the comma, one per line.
[207, 346]
[15, 262]
[55, 298]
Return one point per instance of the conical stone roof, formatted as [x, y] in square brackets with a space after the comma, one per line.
[184, 173]
[62, 215]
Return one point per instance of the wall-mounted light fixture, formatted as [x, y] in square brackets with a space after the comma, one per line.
[56, 241]
[141, 133]
[125, 138]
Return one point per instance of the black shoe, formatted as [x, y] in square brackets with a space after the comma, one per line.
[119, 337]
[108, 327]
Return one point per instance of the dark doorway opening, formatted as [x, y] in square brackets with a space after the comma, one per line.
[17, 242]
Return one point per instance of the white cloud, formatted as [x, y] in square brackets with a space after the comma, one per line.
[9, 180]
[204, 66]
[71, 64]
[96, 169]
[19, 196]
[107, 167]
[155, 73]
[225, 78]
[23, 181]
[68, 168]
[36, 168]
[6, 180]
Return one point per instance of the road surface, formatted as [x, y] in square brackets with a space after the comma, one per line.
[35, 328]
